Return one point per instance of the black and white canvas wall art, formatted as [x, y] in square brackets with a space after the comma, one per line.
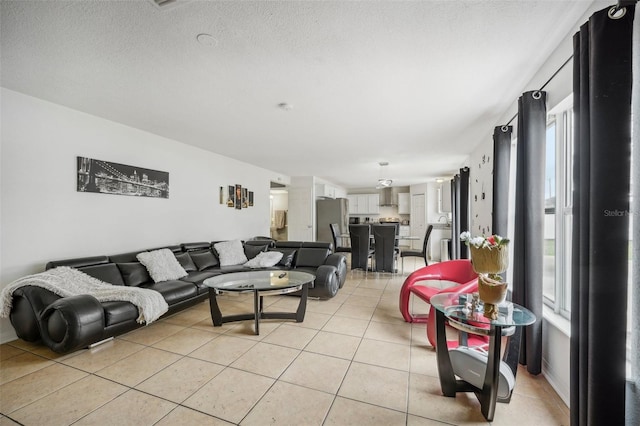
[120, 179]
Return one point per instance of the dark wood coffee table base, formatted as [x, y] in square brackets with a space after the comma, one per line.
[258, 311]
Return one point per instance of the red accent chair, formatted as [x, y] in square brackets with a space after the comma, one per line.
[458, 271]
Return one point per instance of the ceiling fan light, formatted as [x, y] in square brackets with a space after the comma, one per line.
[384, 183]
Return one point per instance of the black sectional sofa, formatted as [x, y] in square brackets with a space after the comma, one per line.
[66, 324]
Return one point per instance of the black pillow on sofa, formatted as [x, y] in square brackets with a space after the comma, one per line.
[186, 262]
[204, 259]
[107, 272]
[134, 274]
[252, 251]
[287, 256]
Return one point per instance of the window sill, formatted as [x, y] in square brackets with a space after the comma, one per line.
[557, 321]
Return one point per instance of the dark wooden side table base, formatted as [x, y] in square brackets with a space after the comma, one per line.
[258, 311]
[488, 395]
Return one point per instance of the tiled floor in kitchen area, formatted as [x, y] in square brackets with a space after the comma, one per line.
[352, 361]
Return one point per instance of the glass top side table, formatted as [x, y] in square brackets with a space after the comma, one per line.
[509, 313]
[452, 308]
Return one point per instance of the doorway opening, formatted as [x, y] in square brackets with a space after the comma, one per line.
[278, 210]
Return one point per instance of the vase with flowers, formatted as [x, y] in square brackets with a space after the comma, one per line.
[489, 257]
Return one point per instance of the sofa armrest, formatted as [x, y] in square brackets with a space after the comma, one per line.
[339, 261]
[326, 284]
[27, 305]
[72, 323]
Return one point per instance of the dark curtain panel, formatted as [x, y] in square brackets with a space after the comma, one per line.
[460, 213]
[501, 166]
[600, 261]
[633, 388]
[464, 211]
[529, 221]
[455, 217]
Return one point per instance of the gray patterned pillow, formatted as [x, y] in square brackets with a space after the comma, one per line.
[162, 265]
[230, 253]
[265, 259]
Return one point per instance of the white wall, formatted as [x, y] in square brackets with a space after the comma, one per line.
[432, 202]
[43, 218]
[481, 189]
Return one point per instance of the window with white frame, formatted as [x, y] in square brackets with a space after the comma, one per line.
[558, 208]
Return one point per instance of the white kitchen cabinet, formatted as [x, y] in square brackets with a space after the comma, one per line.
[353, 204]
[363, 206]
[373, 203]
[325, 191]
[404, 204]
[340, 192]
[364, 203]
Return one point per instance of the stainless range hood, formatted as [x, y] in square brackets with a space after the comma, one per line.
[388, 197]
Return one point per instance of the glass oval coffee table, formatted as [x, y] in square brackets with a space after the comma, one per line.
[260, 283]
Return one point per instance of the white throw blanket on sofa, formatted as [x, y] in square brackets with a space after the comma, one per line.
[65, 282]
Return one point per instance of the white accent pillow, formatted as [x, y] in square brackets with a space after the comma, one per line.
[162, 265]
[230, 253]
[265, 259]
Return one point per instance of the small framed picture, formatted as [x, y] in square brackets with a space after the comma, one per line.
[245, 198]
[238, 199]
[231, 196]
[250, 198]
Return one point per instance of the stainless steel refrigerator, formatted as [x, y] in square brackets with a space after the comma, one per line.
[331, 211]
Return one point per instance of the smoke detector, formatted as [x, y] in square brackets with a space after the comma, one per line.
[285, 106]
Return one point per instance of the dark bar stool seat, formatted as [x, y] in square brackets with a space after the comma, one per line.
[335, 233]
[417, 253]
[360, 246]
[386, 250]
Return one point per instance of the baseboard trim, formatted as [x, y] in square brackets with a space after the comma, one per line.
[93, 345]
[562, 389]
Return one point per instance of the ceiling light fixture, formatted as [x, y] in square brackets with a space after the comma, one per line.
[168, 4]
[207, 40]
[383, 182]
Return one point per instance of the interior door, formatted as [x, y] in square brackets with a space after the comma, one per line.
[301, 214]
[418, 220]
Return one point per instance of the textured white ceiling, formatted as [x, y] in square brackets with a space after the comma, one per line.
[418, 84]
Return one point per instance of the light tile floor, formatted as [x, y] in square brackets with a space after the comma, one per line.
[353, 361]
